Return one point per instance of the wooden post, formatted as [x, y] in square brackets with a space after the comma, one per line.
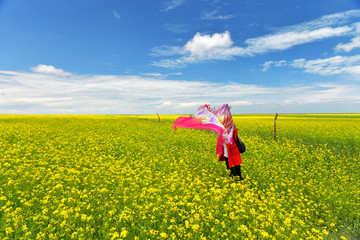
[158, 116]
[275, 133]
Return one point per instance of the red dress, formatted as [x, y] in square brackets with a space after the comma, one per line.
[234, 157]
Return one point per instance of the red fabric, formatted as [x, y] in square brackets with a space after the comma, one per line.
[234, 157]
[189, 122]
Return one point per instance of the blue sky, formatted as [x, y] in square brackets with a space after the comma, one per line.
[171, 56]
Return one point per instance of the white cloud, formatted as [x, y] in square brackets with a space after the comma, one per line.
[336, 19]
[204, 45]
[241, 103]
[172, 4]
[267, 64]
[347, 47]
[176, 74]
[161, 75]
[155, 74]
[280, 63]
[213, 15]
[27, 92]
[199, 48]
[286, 40]
[219, 46]
[326, 66]
[167, 51]
[174, 63]
[326, 93]
[48, 69]
[116, 14]
[330, 66]
[182, 105]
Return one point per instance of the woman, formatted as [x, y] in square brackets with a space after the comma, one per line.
[232, 157]
[231, 147]
[220, 121]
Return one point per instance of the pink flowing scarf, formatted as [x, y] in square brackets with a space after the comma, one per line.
[218, 120]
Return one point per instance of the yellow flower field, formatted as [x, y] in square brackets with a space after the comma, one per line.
[133, 177]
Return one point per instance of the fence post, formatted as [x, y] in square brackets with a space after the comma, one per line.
[158, 116]
[275, 133]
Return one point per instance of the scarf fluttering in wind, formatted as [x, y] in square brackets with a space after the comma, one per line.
[217, 119]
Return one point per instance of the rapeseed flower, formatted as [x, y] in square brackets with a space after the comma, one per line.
[112, 177]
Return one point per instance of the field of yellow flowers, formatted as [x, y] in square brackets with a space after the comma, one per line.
[133, 177]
